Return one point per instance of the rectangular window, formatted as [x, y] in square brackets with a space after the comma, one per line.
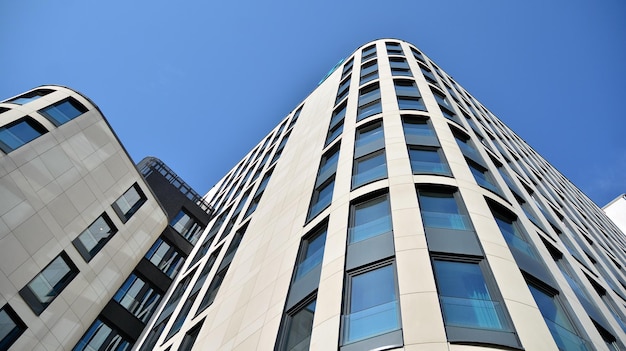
[182, 316]
[28, 97]
[311, 253]
[408, 95]
[49, 283]
[89, 242]
[138, 297]
[127, 204]
[440, 209]
[428, 74]
[371, 303]
[557, 320]
[369, 72]
[418, 55]
[399, 67]
[165, 257]
[394, 49]
[347, 68]
[370, 218]
[11, 327]
[467, 300]
[369, 138]
[324, 183]
[369, 102]
[368, 53]
[63, 111]
[213, 289]
[512, 232]
[369, 168]
[344, 88]
[187, 226]
[100, 336]
[297, 328]
[20, 132]
[428, 160]
[483, 176]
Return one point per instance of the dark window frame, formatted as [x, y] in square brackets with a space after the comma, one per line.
[87, 254]
[126, 216]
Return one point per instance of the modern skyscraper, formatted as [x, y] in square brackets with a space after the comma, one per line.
[392, 211]
[86, 252]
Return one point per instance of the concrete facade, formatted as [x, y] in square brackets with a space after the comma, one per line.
[415, 183]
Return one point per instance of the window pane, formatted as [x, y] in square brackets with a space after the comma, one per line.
[417, 128]
[440, 210]
[187, 226]
[373, 305]
[138, 297]
[427, 161]
[312, 255]
[368, 135]
[100, 337]
[369, 168]
[166, 258]
[127, 204]
[557, 321]
[63, 111]
[370, 219]
[51, 281]
[299, 329]
[19, 133]
[513, 236]
[322, 198]
[405, 103]
[464, 296]
[95, 237]
[11, 327]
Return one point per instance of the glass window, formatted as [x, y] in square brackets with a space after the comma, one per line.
[298, 327]
[418, 55]
[369, 168]
[408, 95]
[63, 111]
[369, 102]
[127, 204]
[557, 320]
[427, 160]
[165, 257]
[182, 315]
[20, 132]
[428, 74]
[334, 132]
[138, 297]
[101, 337]
[372, 134]
[322, 196]
[28, 97]
[49, 283]
[369, 72]
[89, 242]
[417, 127]
[213, 289]
[344, 88]
[347, 68]
[368, 53]
[187, 226]
[440, 210]
[399, 67]
[311, 253]
[11, 327]
[512, 233]
[372, 307]
[190, 338]
[482, 176]
[465, 298]
[393, 49]
[370, 218]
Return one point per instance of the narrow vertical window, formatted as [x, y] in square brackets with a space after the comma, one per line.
[324, 183]
[369, 168]
[190, 337]
[482, 176]
[399, 67]
[372, 303]
[369, 72]
[297, 327]
[165, 257]
[138, 297]
[311, 253]
[408, 95]
[368, 53]
[369, 102]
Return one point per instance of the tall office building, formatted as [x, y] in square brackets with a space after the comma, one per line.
[88, 247]
[616, 211]
[392, 211]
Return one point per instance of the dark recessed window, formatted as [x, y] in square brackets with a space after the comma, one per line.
[408, 95]
[190, 338]
[63, 111]
[311, 253]
[20, 132]
[49, 283]
[399, 67]
[427, 160]
[297, 328]
[165, 257]
[393, 48]
[368, 53]
[187, 226]
[369, 102]
[440, 209]
[28, 97]
[127, 204]
[369, 168]
[101, 336]
[93, 239]
[138, 297]
[369, 72]
[11, 327]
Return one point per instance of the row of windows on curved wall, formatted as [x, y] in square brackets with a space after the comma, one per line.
[26, 129]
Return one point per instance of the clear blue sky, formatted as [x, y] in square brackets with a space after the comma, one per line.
[199, 83]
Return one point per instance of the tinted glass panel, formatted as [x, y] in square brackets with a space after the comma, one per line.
[299, 329]
[440, 210]
[370, 219]
[19, 133]
[63, 111]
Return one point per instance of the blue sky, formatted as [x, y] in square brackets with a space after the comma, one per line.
[198, 83]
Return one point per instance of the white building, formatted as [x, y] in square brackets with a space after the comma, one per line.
[392, 211]
[616, 211]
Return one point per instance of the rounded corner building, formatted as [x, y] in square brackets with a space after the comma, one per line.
[392, 211]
